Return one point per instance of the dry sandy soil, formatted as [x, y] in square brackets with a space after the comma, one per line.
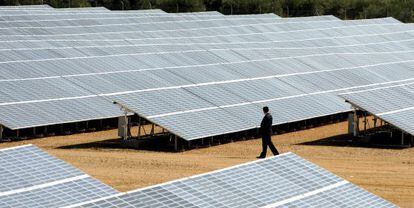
[386, 172]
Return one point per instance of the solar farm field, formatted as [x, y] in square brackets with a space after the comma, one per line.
[384, 172]
[187, 92]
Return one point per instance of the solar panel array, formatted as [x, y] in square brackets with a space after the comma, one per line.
[197, 75]
[281, 181]
[32, 178]
[29, 177]
[393, 104]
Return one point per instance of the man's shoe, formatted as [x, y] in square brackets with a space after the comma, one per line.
[260, 157]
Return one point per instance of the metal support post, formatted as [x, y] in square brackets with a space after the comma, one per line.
[126, 136]
[356, 123]
[352, 123]
[152, 129]
[1, 132]
[412, 140]
[139, 127]
[124, 127]
[365, 121]
[175, 143]
[402, 138]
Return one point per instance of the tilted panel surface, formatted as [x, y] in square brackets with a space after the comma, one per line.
[273, 182]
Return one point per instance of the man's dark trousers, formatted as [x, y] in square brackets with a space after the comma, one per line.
[267, 141]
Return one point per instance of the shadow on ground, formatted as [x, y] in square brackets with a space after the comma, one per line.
[346, 140]
[153, 144]
[157, 144]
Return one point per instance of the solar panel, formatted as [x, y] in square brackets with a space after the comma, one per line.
[293, 97]
[27, 7]
[97, 57]
[393, 104]
[56, 111]
[236, 29]
[29, 177]
[286, 180]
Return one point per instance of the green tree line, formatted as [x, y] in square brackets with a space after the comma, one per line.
[345, 9]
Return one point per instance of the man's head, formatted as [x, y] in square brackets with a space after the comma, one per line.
[265, 109]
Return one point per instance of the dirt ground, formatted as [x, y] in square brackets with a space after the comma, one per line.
[387, 172]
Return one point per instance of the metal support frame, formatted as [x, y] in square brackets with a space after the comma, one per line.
[412, 140]
[356, 123]
[139, 127]
[152, 129]
[126, 126]
[175, 143]
[402, 138]
[353, 121]
[365, 121]
[1, 132]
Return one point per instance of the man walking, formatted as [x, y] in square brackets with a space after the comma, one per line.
[266, 131]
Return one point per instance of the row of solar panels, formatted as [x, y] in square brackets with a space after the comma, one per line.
[393, 103]
[213, 77]
[29, 177]
[32, 178]
[75, 110]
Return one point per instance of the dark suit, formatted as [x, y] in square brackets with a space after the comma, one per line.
[266, 131]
